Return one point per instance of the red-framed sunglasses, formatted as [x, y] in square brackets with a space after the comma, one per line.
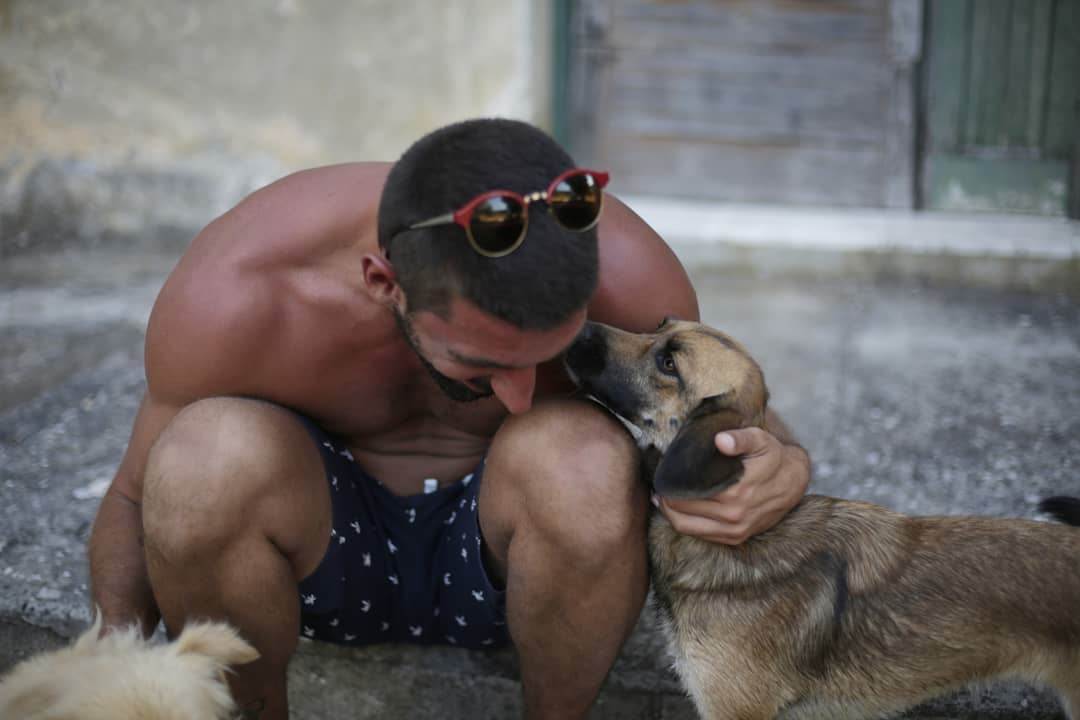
[495, 222]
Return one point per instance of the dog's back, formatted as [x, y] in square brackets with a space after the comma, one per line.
[846, 609]
[972, 599]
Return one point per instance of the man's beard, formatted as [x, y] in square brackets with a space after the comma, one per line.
[453, 389]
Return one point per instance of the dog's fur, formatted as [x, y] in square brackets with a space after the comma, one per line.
[845, 609]
[123, 677]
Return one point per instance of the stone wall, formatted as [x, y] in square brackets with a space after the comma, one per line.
[122, 115]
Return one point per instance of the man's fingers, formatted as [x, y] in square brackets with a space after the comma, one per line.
[726, 444]
[752, 505]
[706, 528]
[710, 510]
[747, 441]
[741, 526]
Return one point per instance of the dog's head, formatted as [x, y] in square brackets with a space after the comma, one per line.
[674, 388]
[123, 677]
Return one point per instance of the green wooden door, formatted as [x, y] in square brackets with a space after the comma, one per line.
[1001, 106]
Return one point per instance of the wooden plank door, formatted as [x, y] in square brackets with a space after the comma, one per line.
[776, 101]
[1002, 106]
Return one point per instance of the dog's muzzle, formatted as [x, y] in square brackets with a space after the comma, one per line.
[585, 361]
[587, 355]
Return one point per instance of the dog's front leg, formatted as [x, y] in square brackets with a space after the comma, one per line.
[724, 688]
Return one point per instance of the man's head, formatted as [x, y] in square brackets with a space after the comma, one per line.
[537, 286]
[471, 354]
[454, 389]
[481, 324]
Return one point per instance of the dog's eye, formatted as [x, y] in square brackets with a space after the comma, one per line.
[665, 360]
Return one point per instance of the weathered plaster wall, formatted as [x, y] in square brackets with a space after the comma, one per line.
[115, 113]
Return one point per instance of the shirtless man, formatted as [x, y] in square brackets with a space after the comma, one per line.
[356, 426]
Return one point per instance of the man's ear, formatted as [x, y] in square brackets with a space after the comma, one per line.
[692, 467]
[380, 280]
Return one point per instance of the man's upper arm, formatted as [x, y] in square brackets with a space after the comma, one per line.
[207, 324]
[641, 280]
[150, 420]
[194, 350]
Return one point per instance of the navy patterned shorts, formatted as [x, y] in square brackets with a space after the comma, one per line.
[400, 569]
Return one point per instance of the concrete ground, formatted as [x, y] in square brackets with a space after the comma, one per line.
[935, 399]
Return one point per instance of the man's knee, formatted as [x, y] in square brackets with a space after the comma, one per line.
[216, 469]
[570, 470]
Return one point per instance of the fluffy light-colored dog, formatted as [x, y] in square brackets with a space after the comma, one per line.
[123, 677]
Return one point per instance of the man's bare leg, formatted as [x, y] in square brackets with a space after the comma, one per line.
[236, 512]
[564, 515]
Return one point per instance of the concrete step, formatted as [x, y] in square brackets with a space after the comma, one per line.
[924, 399]
[949, 249]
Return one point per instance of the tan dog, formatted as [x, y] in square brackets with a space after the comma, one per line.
[844, 609]
[123, 677]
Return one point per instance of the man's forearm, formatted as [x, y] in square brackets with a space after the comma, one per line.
[119, 584]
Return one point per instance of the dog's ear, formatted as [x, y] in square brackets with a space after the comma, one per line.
[217, 641]
[692, 467]
[89, 639]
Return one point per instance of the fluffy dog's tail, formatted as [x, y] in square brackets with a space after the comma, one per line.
[1064, 508]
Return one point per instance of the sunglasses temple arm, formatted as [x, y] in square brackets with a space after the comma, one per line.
[447, 219]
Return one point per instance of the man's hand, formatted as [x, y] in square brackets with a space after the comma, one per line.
[775, 478]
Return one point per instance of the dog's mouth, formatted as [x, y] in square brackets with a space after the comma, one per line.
[635, 432]
[585, 361]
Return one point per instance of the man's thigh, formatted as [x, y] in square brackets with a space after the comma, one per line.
[225, 468]
[567, 469]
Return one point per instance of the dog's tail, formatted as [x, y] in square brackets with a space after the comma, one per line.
[1063, 508]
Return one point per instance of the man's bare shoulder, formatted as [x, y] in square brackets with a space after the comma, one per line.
[202, 331]
[320, 204]
[324, 183]
[641, 279]
[231, 294]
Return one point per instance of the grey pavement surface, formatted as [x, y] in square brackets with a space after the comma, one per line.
[926, 399]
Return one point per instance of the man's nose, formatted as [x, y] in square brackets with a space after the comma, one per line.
[514, 388]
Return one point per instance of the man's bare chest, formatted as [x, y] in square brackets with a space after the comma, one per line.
[370, 408]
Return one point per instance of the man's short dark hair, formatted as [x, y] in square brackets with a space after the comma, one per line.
[536, 287]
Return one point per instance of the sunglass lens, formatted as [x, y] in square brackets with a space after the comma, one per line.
[575, 201]
[498, 224]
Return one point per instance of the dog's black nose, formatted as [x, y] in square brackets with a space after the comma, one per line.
[586, 355]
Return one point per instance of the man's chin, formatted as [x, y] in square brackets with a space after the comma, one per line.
[453, 389]
[462, 394]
